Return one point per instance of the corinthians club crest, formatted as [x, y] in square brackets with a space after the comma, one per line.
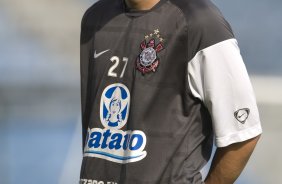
[148, 60]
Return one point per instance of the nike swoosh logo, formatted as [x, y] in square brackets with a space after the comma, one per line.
[241, 115]
[96, 55]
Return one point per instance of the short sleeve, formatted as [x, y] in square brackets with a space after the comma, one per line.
[217, 75]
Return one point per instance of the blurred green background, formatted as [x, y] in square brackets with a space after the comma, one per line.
[40, 140]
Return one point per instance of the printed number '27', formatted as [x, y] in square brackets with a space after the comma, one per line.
[116, 61]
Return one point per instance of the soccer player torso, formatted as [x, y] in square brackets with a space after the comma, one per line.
[141, 124]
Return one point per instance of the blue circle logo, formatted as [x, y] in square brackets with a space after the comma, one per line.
[114, 106]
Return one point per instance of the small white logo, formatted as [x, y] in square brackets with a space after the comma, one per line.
[148, 56]
[96, 55]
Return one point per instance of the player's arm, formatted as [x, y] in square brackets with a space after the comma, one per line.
[229, 162]
[217, 76]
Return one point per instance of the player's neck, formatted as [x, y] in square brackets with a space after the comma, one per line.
[141, 4]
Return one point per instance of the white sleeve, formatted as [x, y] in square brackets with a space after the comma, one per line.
[217, 75]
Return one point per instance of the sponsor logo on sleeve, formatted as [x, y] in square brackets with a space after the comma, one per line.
[112, 143]
[242, 115]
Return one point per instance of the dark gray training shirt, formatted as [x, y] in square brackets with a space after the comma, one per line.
[156, 87]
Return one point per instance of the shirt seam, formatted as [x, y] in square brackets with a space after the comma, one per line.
[222, 142]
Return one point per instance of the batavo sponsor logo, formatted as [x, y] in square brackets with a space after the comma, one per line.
[111, 143]
[116, 145]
